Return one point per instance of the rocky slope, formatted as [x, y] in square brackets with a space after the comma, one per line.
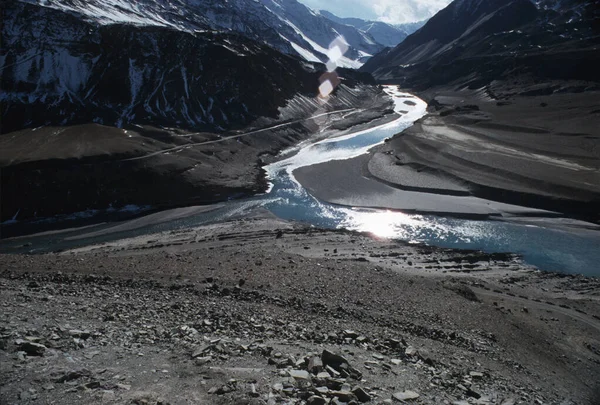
[58, 70]
[286, 25]
[259, 311]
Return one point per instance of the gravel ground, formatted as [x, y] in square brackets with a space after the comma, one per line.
[262, 311]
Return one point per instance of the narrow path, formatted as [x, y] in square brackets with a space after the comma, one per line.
[175, 148]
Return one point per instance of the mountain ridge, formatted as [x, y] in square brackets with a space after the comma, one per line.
[103, 116]
[57, 69]
[505, 38]
[286, 25]
[389, 35]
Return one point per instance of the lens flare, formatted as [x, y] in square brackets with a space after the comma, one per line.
[330, 80]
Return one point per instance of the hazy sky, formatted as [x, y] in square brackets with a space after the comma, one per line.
[391, 11]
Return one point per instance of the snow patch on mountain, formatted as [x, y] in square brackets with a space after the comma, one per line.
[286, 25]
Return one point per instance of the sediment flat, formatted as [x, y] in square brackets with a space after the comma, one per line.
[476, 156]
[536, 151]
[348, 182]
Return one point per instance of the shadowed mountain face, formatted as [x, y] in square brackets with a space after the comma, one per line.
[60, 70]
[476, 41]
[97, 116]
[285, 25]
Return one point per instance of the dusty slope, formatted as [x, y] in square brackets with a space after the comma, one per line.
[174, 317]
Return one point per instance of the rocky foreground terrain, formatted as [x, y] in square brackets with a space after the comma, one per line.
[262, 311]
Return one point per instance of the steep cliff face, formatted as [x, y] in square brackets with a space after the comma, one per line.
[286, 25]
[477, 41]
[57, 69]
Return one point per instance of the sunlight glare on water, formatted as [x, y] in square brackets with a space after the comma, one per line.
[385, 224]
[548, 246]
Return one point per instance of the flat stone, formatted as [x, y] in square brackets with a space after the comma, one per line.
[393, 342]
[476, 375]
[350, 334]
[31, 348]
[201, 361]
[82, 334]
[410, 351]
[316, 400]
[300, 374]
[315, 365]
[361, 395]
[333, 360]
[405, 396]
[344, 396]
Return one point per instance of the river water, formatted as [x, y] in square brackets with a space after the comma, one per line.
[551, 244]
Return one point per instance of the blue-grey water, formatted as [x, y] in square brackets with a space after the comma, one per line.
[551, 244]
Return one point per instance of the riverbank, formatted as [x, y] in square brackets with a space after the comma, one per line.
[53, 171]
[477, 156]
[350, 183]
[504, 144]
[227, 313]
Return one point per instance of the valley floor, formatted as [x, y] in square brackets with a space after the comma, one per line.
[51, 171]
[476, 155]
[246, 312]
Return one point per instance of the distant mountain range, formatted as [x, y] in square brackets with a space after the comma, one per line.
[474, 42]
[383, 33]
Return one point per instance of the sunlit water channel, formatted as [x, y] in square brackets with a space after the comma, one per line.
[543, 242]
